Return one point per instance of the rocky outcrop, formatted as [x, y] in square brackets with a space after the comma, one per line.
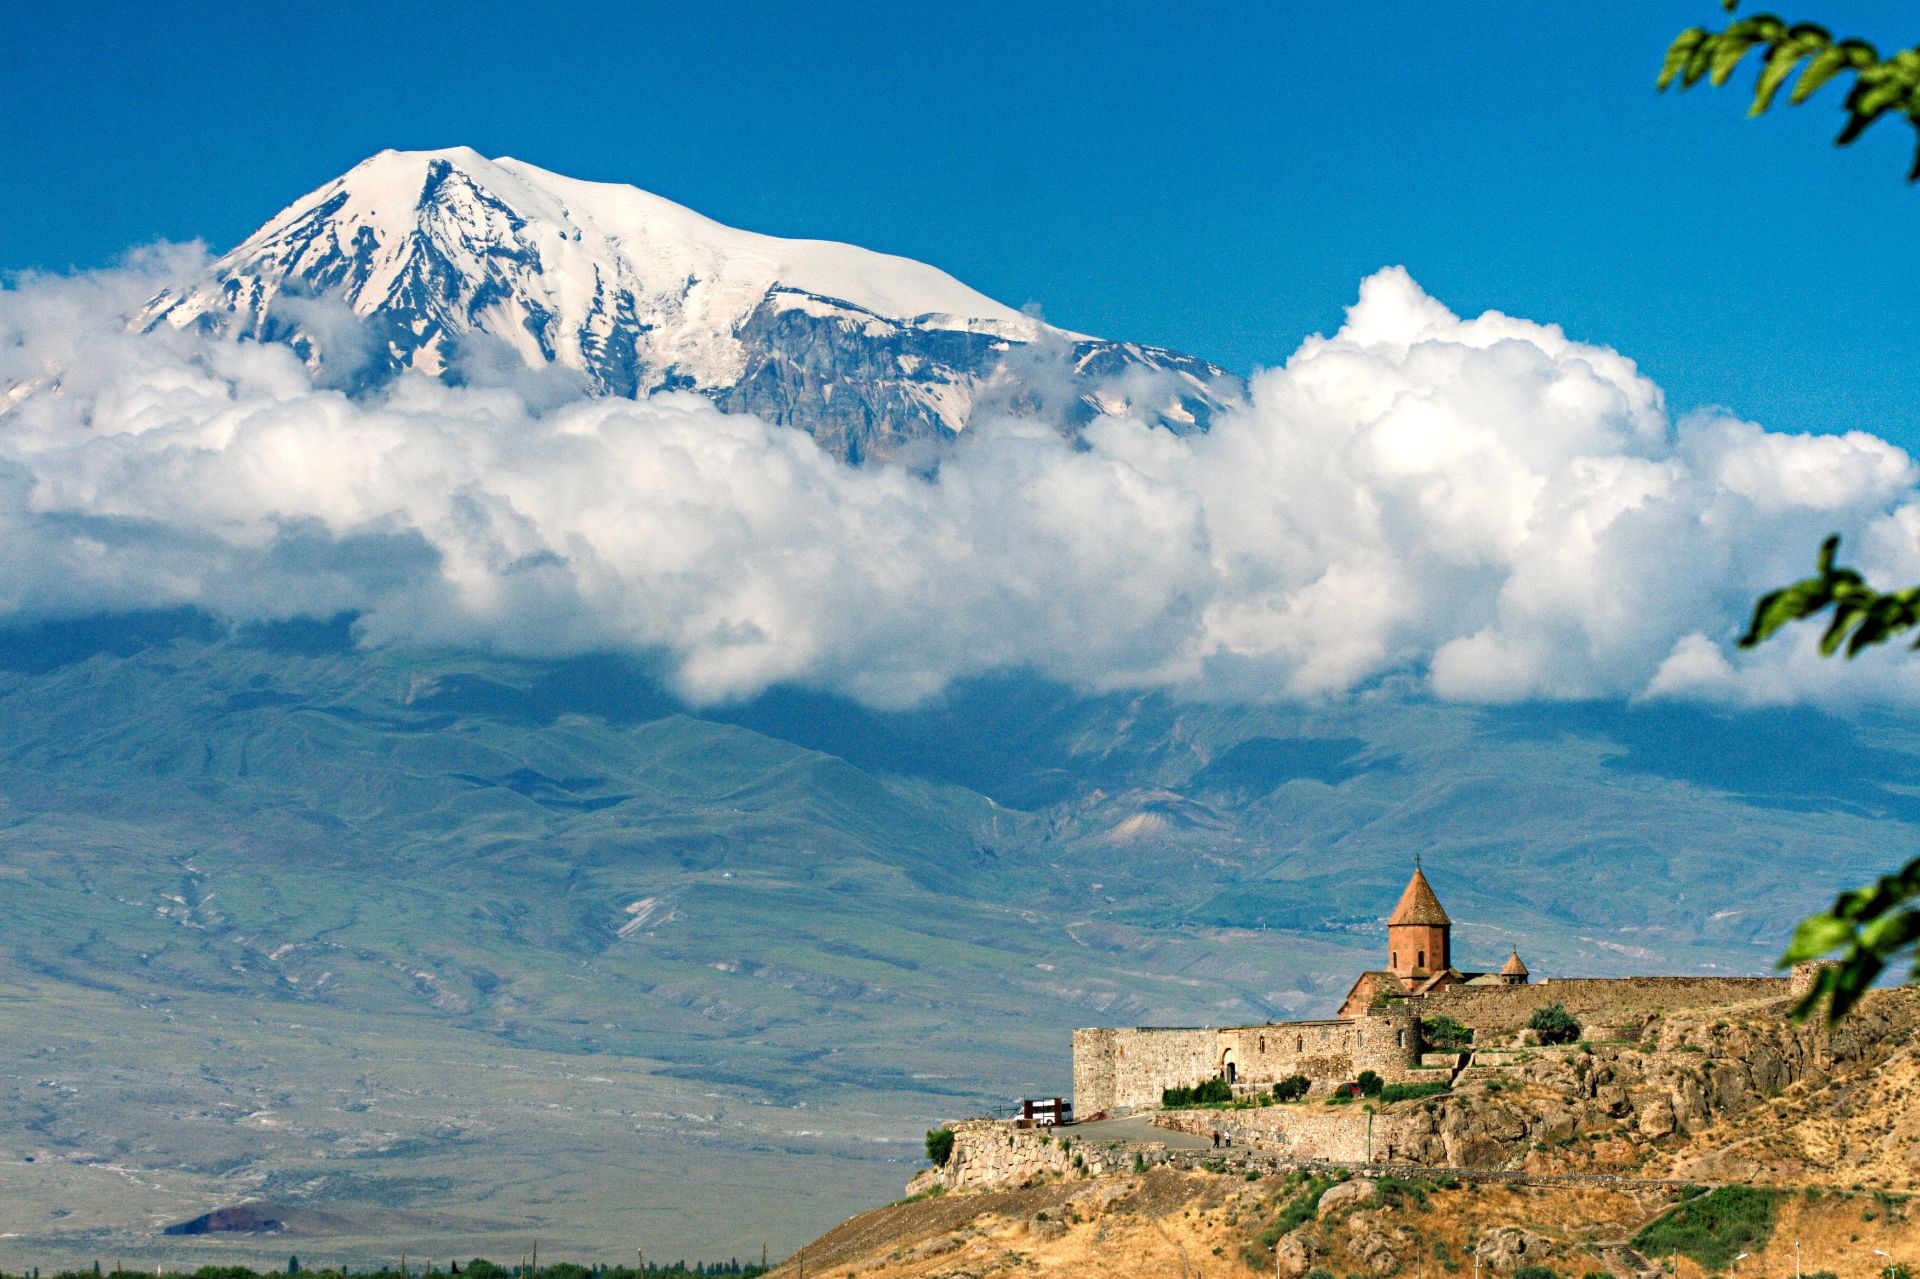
[1508, 1248]
[1687, 1073]
[991, 1154]
[1345, 1196]
[1377, 1242]
[1296, 1254]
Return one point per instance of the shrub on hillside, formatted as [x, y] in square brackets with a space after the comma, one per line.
[939, 1146]
[1445, 1032]
[1554, 1024]
[1407, 1092]
[1713, 1228]
[1370, 1083]
[1396, 1192]
[1292, 1088]
[1211, 1093]
[1536, 1272]
[1296, 1212]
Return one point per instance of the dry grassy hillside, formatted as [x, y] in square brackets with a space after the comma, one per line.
[1166, 1223]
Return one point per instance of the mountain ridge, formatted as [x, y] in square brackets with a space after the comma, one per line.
[435, 252]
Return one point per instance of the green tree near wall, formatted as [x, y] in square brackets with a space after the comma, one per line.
[1554, 1024]
[1869, 927]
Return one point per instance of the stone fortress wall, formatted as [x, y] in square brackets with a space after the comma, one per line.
[1123, 1069]
[1605, 1007]
[1380, 1026]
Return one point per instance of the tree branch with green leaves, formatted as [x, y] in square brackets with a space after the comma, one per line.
[1869, 926]
[1881, 86]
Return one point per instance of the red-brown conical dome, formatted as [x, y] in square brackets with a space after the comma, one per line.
[1418, 905]
[1418, 932]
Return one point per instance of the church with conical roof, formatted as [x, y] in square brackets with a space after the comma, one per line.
[1420, 954]
[1384, 1021]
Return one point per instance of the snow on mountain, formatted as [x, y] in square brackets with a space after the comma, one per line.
[435, 249]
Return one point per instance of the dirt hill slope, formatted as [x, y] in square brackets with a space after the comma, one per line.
[1165, 1223]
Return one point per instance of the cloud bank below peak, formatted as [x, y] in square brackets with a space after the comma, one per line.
[1482, 505]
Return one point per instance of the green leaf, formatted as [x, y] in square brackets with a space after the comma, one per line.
[1727, 52]
[1826, 64]
[1817, 935]
[1698, 63]
[1891, 933]
[1857, 124]
[1780, 65]
[1880, 97]
[1871, 925]
[1678, 53]
[1823, 563]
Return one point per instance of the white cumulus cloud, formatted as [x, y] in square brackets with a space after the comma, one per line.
[1483, 505]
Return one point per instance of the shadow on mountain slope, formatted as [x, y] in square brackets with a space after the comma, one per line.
[1792, 758]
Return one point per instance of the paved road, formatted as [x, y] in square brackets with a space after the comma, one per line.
[1137, 1128]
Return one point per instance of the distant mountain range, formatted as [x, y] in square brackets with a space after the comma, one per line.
[450, 258]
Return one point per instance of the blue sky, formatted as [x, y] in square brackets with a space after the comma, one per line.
[1215, 178]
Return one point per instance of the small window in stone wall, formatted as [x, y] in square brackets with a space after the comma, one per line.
[1401, 1038]
[1423, 959]
[1263, 1043]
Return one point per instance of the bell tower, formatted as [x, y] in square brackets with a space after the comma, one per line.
[1419, 934]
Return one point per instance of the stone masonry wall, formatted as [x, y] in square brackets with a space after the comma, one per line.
[1317, 1049]
[1497, 1012]
[1296, 1132]
[1128, 1068]
[1115, 1069]
[1389, 1042]
[991, 1153]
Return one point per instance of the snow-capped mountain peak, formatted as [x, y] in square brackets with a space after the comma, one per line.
[434, 249]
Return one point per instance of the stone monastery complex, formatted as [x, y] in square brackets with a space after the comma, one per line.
[1378, 1027]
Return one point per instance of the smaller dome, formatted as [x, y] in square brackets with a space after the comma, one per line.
[1513, 967]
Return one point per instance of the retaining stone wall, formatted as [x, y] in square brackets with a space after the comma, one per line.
[989, 1153]
[1297, 1132]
